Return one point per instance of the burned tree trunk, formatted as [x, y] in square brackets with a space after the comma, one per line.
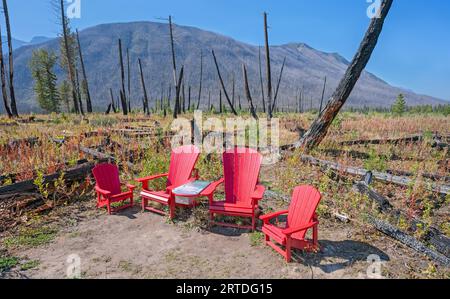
[176, 109]
[71, 71]
[174, 66]
[3, 75]
[272, 108]
[201, 81]
[85, 80]
[146, 107]
[79, 92]
[220, 102]
[129, 79]
[261, 81]
[319, 128]
[223, 85]
[268, 70]
[123, 97]
[11, 61]
[112, 101]
[248, 93]
[323, 94]
[189, 98]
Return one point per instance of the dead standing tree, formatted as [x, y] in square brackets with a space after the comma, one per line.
[3, 78]
[201, 81]
[319, 128]
[144, 88]
[323, 94]
[177, 82]
[68, 54]
[268, 68]
[85, 84]
[248, 93]
[223, 85]
[123, 97]
[11, 61]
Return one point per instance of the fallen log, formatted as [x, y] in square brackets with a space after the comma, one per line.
[102, 157]
[385, 177]
[409, 139]
[433, 236]
[76, 173]
[409, 241]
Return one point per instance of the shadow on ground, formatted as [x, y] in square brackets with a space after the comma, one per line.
[338, 255]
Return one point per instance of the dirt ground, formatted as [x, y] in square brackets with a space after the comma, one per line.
[133, 244]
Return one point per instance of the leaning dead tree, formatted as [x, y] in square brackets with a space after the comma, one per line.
[68, 56]
[261, 80]
[85, 84]
[11, 61]
[323, 94]
[272, 108]
[319, 128]
[248, 93]
[144, 88]
[112, 101]
[3, 78]
[223, 85]
[123, 97]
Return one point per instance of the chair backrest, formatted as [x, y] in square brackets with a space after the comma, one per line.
[302, 208]
[241, 171]
[107, 177]
[182, 163]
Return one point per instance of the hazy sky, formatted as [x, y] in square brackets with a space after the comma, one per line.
[413, 51]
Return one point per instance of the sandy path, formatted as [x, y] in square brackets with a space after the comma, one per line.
[142, 245]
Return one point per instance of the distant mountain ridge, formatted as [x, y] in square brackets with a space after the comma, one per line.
[305, 67]
[17, 43]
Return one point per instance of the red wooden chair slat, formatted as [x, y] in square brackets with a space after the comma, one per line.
[182, 163]
[242, 192]
[301, 217]
[109, 187]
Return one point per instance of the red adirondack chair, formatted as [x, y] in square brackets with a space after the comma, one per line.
[301, 217]
[182, 163]
[242, 192]
[108, 188]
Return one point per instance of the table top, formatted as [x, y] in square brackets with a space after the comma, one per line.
[191, 189]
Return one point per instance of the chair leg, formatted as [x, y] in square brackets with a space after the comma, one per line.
[143, 204]
[108, 205]
[172, 209]
[316, 237]
[288, 250]
[253, 222]
[211, 219]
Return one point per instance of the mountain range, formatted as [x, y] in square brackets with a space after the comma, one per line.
[305, 68]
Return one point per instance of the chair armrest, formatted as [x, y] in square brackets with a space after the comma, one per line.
[290, 231]
[105, 193]
[144, 181]
[258, 193]
[267, 217]
[212, 187]
[131, 187]
[151, 178]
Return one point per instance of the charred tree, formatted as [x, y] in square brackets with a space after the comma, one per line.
[268, 70]
[323, 94]
[68, 54]
[11, 61]
[174, 67]
[123, 97]
[223, 85]
[272, 108]
[144, 89]
[85, 80]
[248, 93]
[112, 101]
[319, 128]
[261, 80]
[3, 75]
[201, 81]
[79, 92]
[129, 79]
[176, 109]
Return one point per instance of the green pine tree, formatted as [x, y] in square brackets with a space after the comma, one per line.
[41, 65]
[399, 107]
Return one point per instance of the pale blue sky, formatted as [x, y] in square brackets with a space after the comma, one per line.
[413, 51]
